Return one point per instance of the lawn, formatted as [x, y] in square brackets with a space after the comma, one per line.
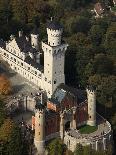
[114, 8]
[87, 129]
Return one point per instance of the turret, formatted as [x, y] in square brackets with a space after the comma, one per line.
[35, 38]
[54, 31]
[91, 97]
[39, 139]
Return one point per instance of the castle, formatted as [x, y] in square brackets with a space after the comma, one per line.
[66, 109]
[23, 56]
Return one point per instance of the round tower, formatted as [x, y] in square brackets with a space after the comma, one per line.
[35, 38]
[39, 139]
[91, 97]
[54, 31]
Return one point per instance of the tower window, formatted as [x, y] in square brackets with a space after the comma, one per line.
[89, 116]
[55, 82]
[39, 133]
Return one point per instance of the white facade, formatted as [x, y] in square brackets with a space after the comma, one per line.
[54, 57]
[23, 56]
[91, 96]
[35, 41]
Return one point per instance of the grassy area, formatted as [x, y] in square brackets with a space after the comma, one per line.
[87, 129]
[114, 8]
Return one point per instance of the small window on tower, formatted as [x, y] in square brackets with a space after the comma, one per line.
[89, 116]
[55, 82]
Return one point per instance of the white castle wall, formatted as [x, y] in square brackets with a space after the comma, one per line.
[97, 143]
[21, 67]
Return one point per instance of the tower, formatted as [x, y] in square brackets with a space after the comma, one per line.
[91, 97]
[35, 38]
[54, 55]
[35, 43]
[39, 139]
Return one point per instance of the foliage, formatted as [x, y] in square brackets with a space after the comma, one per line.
[55, 147]
[86, 150]
[2, 112]
[10, 138]
[5, 85]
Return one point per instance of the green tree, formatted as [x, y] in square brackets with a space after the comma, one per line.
[5, 11]
[55, 147]
[2, 112]
[10, 138]
[103, 64]
[96, 34]
[78, 150]
[110, 39]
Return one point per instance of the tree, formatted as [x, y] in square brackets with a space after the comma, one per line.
[103, 64]
[10, 138]
[80, 24]
[2, 112]
[5, 11]
[5, 85]
[55, 147]
[78, 150]
[96, 34]
[110, 39]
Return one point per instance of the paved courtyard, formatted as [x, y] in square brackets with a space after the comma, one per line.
[20, 85]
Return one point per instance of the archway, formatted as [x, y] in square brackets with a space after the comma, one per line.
[67, 126]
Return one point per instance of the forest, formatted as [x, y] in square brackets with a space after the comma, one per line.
[91, 56]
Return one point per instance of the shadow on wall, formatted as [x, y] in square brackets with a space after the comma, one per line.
[17, 88]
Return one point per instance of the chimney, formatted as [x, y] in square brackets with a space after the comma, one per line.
[27, 38]
[20, 33]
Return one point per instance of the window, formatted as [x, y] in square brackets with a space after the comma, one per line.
[39, 133]
[21, 64]
[28, 68]
[14, 59]
[48, 92]
[55, 82]
[5, 54]
[45, 79]
[35, 72]
[89, 116]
